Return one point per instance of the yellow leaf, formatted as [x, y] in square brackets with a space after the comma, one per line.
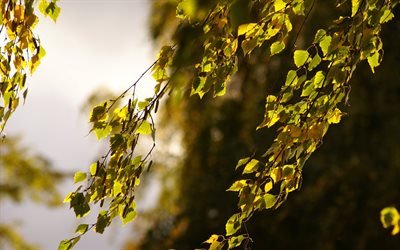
[334, 116]
[279, 5]
[244, 28]
[355, 5]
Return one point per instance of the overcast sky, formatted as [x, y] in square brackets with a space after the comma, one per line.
[94, 43]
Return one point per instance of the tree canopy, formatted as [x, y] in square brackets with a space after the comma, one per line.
[222, 60]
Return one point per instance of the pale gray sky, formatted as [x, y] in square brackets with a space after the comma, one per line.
[94, 43]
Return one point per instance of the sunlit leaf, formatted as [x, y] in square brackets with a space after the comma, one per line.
[237, 185]
[144, 128]
[391, 217]
[79, 176]
[277, 47]
[301, 57]
[65, 245]
[233, 224]
[251, 167]
[244, 28]
[82, 228]
[93, 169]
[186, 8]
[334, 116]
[374, 61]
[235, 241]
[355, 5]
[128, 213]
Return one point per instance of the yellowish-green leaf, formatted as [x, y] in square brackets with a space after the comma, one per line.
[102, 132]
[214, 242]
[391, 217]
[244, 28]
[314, 62]
[288, 171]
[186, 8]
[279, 5]
[277, 47]
[269, 200]
[65, 245]
[386, 16]
[251, 167]
[98, 113]
[127, 213]
[233, 224]
[93, 169]
[79, 176]
[82, 228]
[237, 185]
[235, 241]
[68, 197]
[373, 61]
[334, 116]
[301, 57]
[319, 79]
[117, 188]
[355, 5]
[144, 128]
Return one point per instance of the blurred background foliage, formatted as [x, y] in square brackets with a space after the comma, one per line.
[25, 176]
[346, 182]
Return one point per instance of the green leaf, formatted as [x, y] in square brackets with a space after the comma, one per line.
[98, 113]
[248, 45]
[235, 241]
[103, 131]
[355, 5]
[117, 141]
[391, 217]
[65, 245]
[374, 61]
[323, 40]
[82, 228]
[288, 171]
[93, 169]
[298, 8]
[237, 185]
[319, 80]
[269, 200]
[143, 104]
[216, 242]
[251, 167]
[291, 78]
[334, 116]
[103, 220]
[53, 10]
[279, 5]
[277, 47]
[49, 9]
[186, 8]
[386, 16]
[314, 62]
[144, 128]
[301, 57]
[244, 28]
[79, 204]
[128, 213]
[79, 176]
[117, 188]
[233, 224]
[241, 162]
[219, 88]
